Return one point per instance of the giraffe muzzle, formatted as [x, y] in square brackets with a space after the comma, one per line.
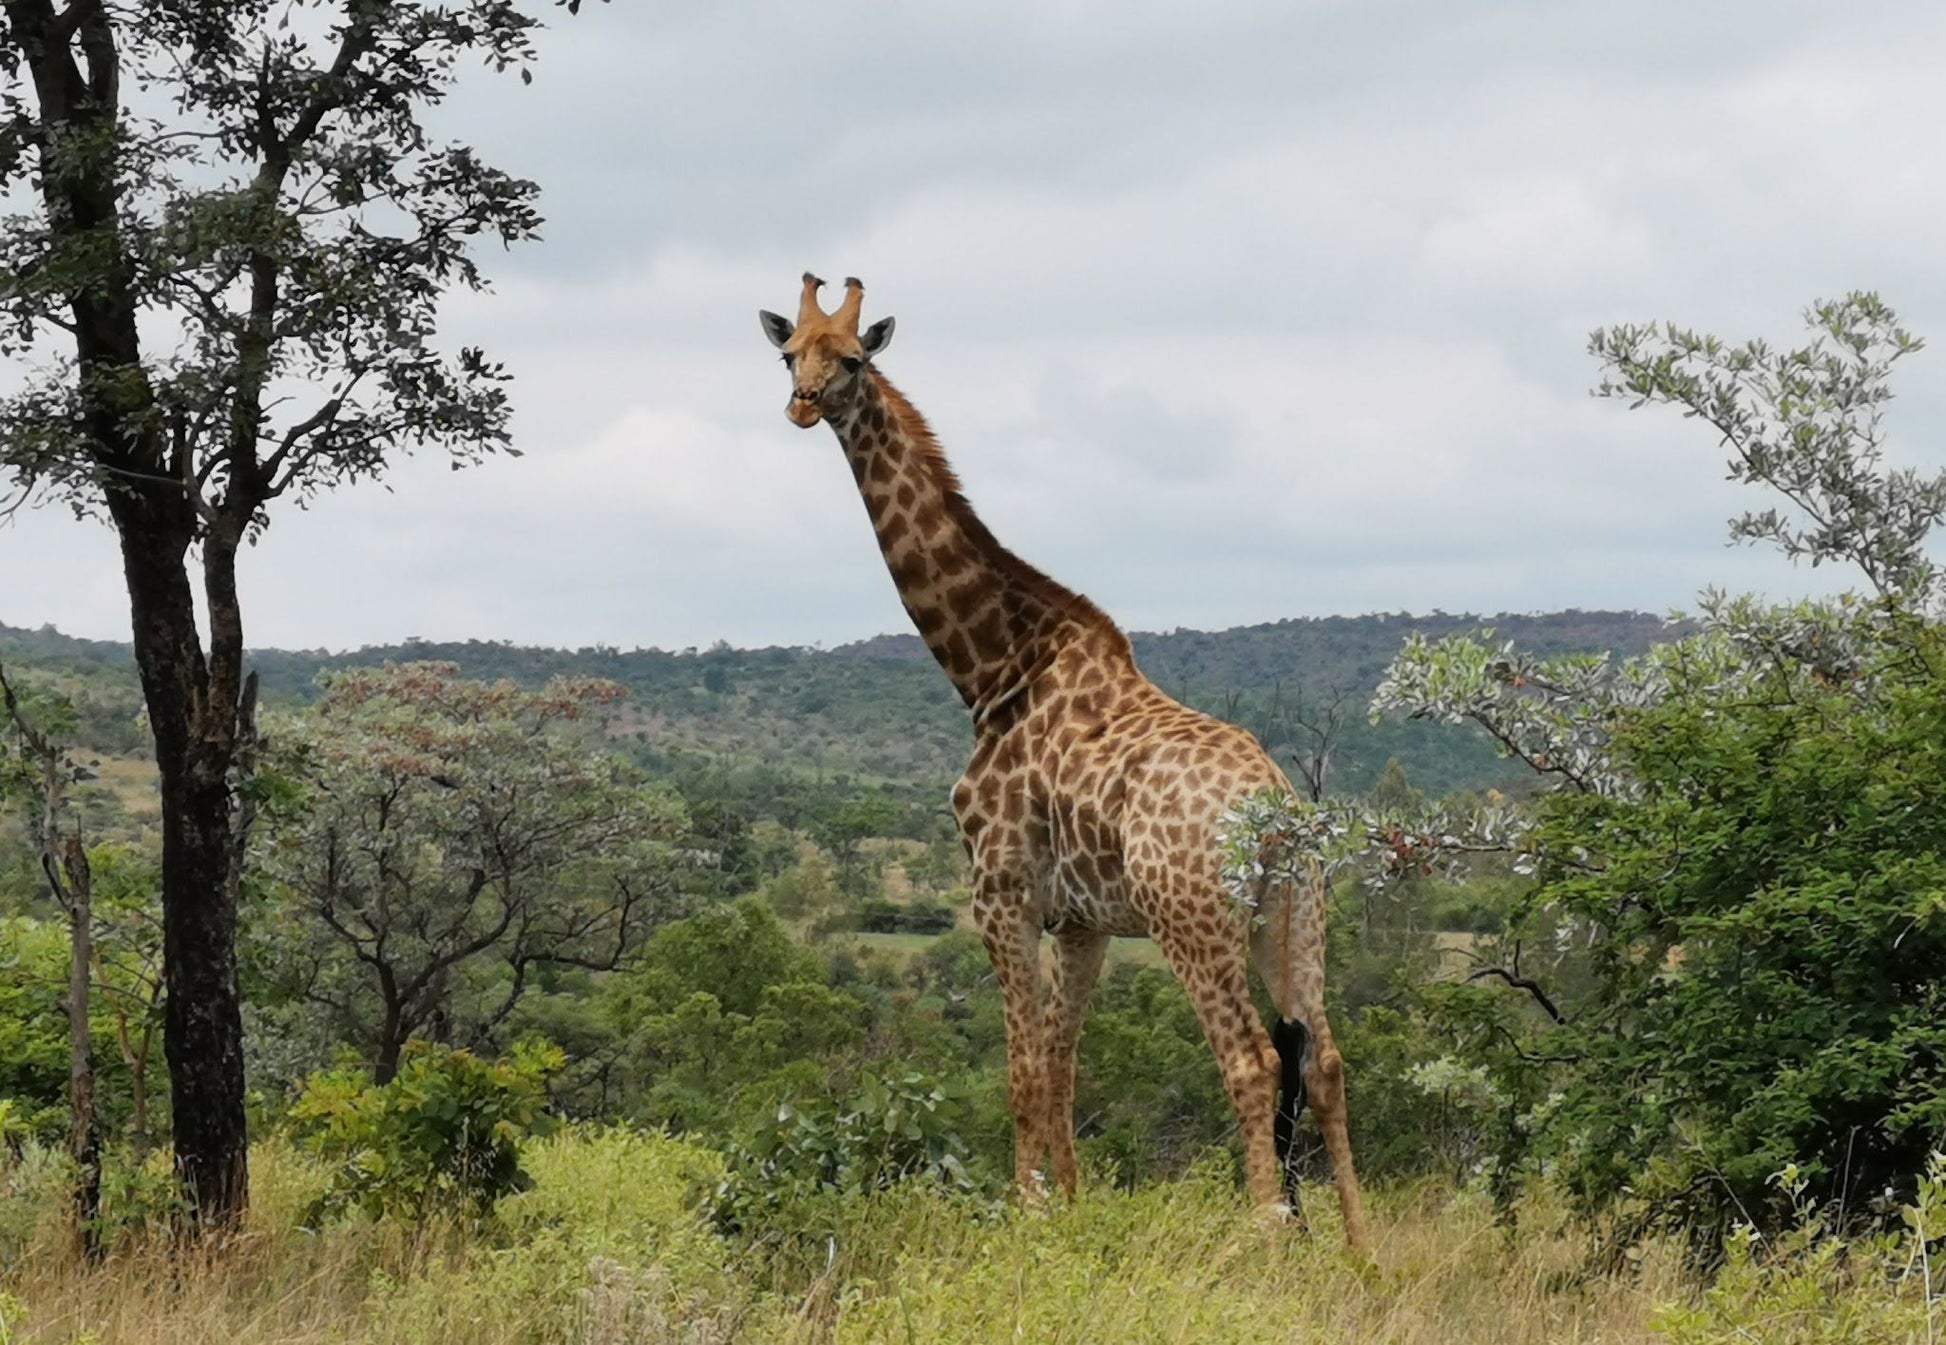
[804, 411]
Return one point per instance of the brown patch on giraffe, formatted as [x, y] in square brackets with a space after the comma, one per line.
[929, 516]
[989, 634]
[910, 570]
[964, 600]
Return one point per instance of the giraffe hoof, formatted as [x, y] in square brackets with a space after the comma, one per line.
[1276, 1214]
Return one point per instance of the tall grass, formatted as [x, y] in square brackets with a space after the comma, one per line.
[1187, 1261]
[611, 1245]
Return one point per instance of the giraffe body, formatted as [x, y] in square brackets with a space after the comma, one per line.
[1091, 804]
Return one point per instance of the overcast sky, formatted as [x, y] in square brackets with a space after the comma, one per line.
[1226, 312]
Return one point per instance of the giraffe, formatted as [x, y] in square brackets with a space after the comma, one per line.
[1092, 802]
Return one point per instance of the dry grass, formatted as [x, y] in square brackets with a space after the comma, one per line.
[1184, 1262]
[608, 1248]
[610, 1234]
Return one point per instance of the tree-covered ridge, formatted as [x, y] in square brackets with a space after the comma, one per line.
[879, 711]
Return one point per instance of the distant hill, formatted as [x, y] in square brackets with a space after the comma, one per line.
[879, 711]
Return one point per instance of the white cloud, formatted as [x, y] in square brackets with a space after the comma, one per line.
[1226, 312]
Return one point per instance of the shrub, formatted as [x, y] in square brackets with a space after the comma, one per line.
[444, 1133]
[34, 1183]
[1149, 1097]
[1768, 949]
[792, 1177]
[1809, 1285]
[610, 1243]
[929, 917]
[1414, 1110]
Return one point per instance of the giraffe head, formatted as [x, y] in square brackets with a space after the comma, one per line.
[824, 351]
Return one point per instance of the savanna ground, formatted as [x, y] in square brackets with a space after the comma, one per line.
[613, 1243]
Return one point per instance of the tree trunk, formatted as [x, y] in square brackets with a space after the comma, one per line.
[202, 1028]
[202, 1025]
[391, 1045]
[84, 1129]
[137, 1060]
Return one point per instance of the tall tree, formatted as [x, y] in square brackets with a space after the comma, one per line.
[444, 844]
[228, 292]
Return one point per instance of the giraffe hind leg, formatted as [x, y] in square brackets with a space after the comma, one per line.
[1216, 977]
[1288, 946]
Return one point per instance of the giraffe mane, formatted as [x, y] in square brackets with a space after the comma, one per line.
[1058, 596]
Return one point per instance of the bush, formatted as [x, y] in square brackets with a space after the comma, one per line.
[444, 1133]
[33, 1027]
[929, 917]
[1414, 1110]
[35, 1181]
[793, 1176]
[1768, 949]
[1808, 1284]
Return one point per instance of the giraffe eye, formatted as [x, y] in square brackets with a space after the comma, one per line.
[788, 358]
[852, 364]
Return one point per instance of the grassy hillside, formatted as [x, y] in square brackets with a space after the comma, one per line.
[880, 712]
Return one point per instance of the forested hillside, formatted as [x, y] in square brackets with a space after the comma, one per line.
[879, 712]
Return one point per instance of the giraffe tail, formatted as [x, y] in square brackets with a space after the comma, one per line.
[1287, 937]
[1292, 1039]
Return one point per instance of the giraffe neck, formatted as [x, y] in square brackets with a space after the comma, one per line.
[992, 621]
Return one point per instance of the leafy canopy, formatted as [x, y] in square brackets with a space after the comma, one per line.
[250, 188]
[435, 843]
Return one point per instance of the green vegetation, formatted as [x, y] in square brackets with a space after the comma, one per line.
[440, 850]
[604, 995]
[443, 1133]
[1786, 853]
[1735, 934]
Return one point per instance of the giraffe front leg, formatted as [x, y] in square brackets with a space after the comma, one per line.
[1013, 942]
[1078, 955]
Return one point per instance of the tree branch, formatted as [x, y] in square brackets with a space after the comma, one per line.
[1519, 982]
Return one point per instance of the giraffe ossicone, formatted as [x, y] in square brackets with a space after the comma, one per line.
[1094, 805]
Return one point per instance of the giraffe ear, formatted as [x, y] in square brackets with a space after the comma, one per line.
[877, 336]
[778, 329]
